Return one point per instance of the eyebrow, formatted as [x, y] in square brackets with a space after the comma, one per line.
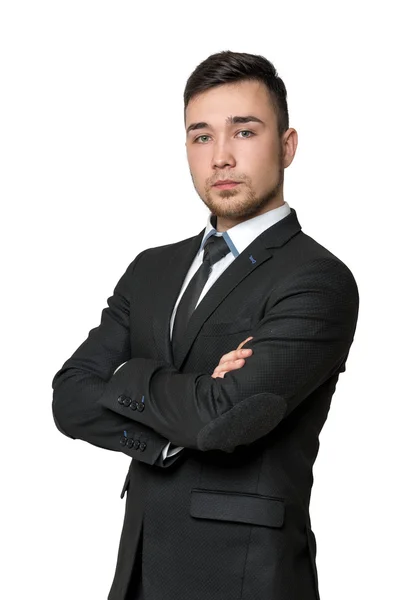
[228, 121]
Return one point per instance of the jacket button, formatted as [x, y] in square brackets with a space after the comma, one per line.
[121, 399]
[126, 401]
[143, 446]
[133, 405]
[136, 444]
[140, 406]
[122, 440]
[129, 442]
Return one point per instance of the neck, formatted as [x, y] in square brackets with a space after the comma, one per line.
[222, 223]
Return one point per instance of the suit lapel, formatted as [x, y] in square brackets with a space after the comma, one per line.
[169, 287]
[174, 274]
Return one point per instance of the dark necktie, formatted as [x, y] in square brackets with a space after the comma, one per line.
[215, 248]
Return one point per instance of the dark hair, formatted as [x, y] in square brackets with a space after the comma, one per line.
[229, 67]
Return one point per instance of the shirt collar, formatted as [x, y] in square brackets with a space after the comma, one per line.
[242, 234]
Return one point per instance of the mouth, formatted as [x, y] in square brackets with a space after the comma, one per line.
[225, 185]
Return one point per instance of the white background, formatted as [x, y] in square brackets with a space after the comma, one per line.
[94, 170]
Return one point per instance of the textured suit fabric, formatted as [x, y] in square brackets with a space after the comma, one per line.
[237, 238]
[229, 517]
[135, 588]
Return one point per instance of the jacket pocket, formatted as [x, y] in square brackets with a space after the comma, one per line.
[238, 507]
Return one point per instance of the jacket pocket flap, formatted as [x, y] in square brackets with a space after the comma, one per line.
[255, 509]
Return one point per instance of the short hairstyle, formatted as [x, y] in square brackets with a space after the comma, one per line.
[230, 67]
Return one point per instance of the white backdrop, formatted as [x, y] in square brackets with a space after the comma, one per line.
[94, 170]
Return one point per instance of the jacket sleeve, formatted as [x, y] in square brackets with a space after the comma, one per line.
[84, 378]
[303, 338]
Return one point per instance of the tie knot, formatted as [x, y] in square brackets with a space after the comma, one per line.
[215, 248]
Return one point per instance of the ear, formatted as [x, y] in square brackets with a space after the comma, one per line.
[290, 141]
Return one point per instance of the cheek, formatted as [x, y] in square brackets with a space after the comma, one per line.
[199, 167]
[252, 158]
[265, 163]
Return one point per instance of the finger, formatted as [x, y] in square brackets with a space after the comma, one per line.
[229, 366]
[243, 343]
[234, 355]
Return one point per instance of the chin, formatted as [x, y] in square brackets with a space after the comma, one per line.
[223, 199]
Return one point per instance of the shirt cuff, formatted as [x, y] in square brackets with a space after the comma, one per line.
[166, 452]
[119, 367]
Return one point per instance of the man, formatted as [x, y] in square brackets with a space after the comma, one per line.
[222, 443]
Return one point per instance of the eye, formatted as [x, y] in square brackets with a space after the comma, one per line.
[242, 131]
[246, 131]
[200, 136]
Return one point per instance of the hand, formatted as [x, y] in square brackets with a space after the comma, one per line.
[233, 360]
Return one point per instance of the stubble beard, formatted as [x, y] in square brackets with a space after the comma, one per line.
[245, 203]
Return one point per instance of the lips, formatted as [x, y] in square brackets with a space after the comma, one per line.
[225, 182]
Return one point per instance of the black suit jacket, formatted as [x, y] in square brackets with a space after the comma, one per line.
[228, 517]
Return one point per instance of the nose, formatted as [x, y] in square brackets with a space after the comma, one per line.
[222, 156]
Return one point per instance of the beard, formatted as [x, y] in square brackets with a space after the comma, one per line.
[242, 203]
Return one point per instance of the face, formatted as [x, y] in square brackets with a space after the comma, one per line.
[247, 151]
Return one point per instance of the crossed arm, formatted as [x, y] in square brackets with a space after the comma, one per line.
[228, 362]
[303, 338]
[83, 379]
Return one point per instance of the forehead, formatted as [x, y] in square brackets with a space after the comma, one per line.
[244, 97]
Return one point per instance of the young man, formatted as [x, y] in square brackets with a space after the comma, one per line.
[222, 442]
